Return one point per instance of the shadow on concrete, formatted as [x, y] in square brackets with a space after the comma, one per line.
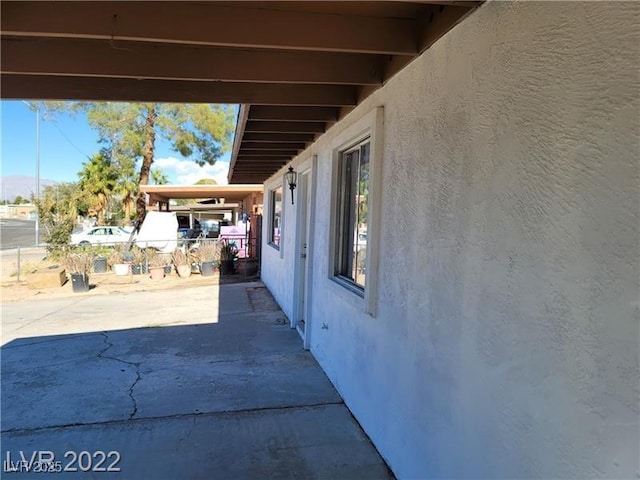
[221, 390]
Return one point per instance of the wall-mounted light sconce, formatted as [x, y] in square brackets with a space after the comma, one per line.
[291, 178]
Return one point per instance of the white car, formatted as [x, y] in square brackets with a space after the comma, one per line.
[101, 236]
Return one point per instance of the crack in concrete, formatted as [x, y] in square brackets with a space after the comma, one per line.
[175, 416]
[101, 354]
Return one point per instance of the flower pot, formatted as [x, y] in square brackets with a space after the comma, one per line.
[80, 282]
[121, 269]
[227, 268]
[157, 273]
[184, 270]
[167, 269]
[207, 269]
[100, 264]
[139, 268]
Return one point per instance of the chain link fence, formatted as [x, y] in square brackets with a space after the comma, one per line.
[17, 263]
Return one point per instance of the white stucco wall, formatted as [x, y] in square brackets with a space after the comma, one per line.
[506, 337]
[278, 265]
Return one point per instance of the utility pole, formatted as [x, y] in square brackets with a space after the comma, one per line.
[37, 110]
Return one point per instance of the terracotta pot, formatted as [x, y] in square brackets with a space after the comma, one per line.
[157, 273]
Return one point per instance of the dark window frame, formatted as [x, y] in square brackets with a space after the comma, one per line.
[353, 185]
[275, 220]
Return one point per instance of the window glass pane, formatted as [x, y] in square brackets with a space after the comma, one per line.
[361, 202]
[352, 199]
[276, 216]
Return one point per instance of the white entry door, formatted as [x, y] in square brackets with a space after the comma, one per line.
[302, 254]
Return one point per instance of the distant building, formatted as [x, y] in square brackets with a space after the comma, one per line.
[24, 211]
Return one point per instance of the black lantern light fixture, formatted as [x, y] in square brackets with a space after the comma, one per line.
[291, 176]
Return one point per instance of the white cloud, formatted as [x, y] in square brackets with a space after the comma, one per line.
[188, 172]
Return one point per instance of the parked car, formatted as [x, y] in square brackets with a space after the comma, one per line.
[101, 236]
[361, 241]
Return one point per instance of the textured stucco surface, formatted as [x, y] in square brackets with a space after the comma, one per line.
[278, 265]
[506, 339]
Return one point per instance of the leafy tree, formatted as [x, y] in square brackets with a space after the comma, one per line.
[98, 178]
[206, 181]
[202, 181]
[19, 200]
[200, 132]
[58, 207]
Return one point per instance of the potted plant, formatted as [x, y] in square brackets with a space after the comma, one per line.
[100, 258]
[228, 255]
[78, 266]
[139, 264]
[182, 262]
[207, 256]
[156, 264]
[117, 261]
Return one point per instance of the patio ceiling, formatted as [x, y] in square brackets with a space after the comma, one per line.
[297, 67]
[231, 193]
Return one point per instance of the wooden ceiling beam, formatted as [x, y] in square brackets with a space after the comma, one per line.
[44, 87]
[267, 147]
[290, 127]
[283, 137]
[249, 170]
[210, 23]
[249, 179]
[283, 152]
[263, 164]
[90, 58]
[298, 114]
[264, 158]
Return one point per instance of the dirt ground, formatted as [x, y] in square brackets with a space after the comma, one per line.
[13, 290]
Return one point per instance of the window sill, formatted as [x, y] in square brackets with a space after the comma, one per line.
[348, 285]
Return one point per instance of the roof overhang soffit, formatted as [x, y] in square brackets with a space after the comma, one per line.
[301, 66]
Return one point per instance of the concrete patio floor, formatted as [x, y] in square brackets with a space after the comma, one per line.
[204, 382]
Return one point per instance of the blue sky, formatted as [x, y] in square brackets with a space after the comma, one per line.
[66, 143]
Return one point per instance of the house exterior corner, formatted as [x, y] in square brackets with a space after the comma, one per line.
[491, 330]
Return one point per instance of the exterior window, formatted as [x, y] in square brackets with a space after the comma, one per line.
[275, 219]
[352, 203]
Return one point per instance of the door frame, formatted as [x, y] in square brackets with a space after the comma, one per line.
[304, 224]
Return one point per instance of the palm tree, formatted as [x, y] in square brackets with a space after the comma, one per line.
[158, 177]
[98, 179]
[126, 187]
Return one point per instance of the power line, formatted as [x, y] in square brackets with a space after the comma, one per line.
[68, 140]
